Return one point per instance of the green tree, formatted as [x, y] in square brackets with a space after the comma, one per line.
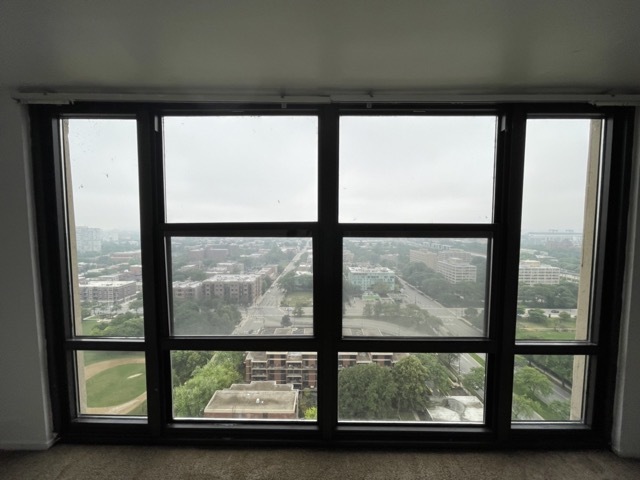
[184, 363]
[135, 304]
[380, 288]
[564, 317]
[307, 399]
[367, 311]
[531, 383]
[474, 379]
[311, 413]
[561, 408]
[522, 408]
[207, 316]
[297, 310]
[285, 321]
[537, 316]
[377, 309]
[437, 376]
[124, 325]
[410, 376]
[450, 360]
[366, 392]
[191, 398]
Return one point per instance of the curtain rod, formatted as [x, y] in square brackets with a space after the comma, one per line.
[61, 98]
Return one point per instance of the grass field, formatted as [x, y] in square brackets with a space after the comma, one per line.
[547, 334]
[91, 356]
[303, 298]
[116, 385]
[551, 329]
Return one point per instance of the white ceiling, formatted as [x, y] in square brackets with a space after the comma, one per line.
[322, 46]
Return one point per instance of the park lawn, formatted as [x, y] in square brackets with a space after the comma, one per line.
[95, 356]
[113, 387]
[303, 298]
[545, 335]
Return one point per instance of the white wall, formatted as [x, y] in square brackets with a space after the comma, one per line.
[25, 419]
[626, 430]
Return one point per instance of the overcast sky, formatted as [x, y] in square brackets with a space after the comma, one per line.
[393, 169]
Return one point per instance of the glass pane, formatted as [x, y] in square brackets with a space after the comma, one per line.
[245, 385]
[241, 168]
[558, 218]
[417, 169]
[411, 387]
[101, 168]
[242, 286]
[111, 383]
[549, 388]
[424, 287]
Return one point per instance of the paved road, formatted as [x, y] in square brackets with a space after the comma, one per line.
[453, 323]
[267, 311]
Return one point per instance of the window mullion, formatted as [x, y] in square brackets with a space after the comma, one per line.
[508, 211]
[328, 265]
[151, 207]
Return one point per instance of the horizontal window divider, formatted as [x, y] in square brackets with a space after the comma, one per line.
[418, 429]
[412, 109]
[434, 230]
[556, 348]
[304, 229]
[101, 116]
[230, 425]
[114, 344]
[283, 108]
[113, 423]
[242, 343]
[558, 428]
[416, 345]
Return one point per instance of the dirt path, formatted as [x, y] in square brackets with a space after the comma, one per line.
[123, 408]
[95, 368]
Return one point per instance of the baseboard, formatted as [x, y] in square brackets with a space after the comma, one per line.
[34, 446]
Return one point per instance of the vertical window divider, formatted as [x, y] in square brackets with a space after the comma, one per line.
[508, 216]
[328, 292]
[148, 177]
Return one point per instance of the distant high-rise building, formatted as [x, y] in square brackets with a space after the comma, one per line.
[532, 272]
[452, 263]
[237, 288]
[367, 277]
[456, 270]
[430, 259]
[106, 291]
[296, 368]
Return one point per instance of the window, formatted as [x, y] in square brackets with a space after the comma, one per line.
[340, 273]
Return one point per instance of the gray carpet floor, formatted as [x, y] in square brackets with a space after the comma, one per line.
[66, 462]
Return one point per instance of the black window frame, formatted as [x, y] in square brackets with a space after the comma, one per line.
[328, 233]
